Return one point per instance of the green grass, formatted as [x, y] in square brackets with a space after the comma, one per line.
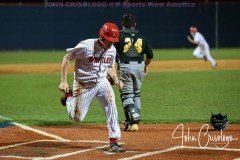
[12, 57]
[167, 97]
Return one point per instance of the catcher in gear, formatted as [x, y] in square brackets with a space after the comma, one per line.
[132, 49]
[219, 122]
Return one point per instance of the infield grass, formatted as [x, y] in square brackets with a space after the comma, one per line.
[167, 97]
[12, 57]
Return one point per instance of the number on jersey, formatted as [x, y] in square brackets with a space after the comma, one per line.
[137, 45]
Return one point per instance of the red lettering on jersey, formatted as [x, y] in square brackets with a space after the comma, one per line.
[97, 59]
[109, 60]
[91, 59]
[106, 60]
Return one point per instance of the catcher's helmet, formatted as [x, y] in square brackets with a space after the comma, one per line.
[128, 20]
[219, 122]
[110, 32]
[193, 29]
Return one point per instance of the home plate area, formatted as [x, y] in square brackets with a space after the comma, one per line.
[51, 149]
[58, 149]
[153, 141]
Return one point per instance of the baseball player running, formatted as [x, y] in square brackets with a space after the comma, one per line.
[94, 58]
[131, 48]
[202, 50]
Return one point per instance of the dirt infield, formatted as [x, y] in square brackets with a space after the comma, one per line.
[155, 66]
[90, 141]
[153, 141]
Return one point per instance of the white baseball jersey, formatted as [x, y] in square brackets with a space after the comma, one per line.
[91, 61]
[91, 65]
[198, 37]
[203, 48]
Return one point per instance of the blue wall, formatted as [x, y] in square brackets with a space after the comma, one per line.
[42, 27]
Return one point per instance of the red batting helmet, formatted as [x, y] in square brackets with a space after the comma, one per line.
[110, 32]
[193, 29]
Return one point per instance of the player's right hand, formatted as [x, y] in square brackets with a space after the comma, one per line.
[189, 38]
[120, 85]
[145, 70]
[64, 86]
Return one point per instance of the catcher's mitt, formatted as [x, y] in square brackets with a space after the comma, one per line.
[219, 122]
[65, 96]
[110, 80]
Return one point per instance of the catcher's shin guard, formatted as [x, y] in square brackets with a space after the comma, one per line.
[132, 113]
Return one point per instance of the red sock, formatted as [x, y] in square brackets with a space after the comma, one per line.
[113, 140]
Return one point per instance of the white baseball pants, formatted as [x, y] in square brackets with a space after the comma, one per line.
[104, 93]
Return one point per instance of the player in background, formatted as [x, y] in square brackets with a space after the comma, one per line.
[131, 48]
[94, 59]
[202, 50]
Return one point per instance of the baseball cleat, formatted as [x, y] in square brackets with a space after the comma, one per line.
[205, 58]
[115, 147]
[65, 96]
[133, 128]
[128, 127]
[214, 66]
